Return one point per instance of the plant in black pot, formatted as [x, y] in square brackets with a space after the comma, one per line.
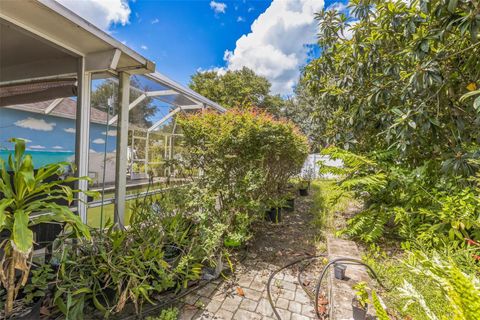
[289, 199]
[360, 301]
[305, 180]
[38, 287]
[303, 187]
[274, 210]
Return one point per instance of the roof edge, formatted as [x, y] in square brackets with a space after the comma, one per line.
[102, 35]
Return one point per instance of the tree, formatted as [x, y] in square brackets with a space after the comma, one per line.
[304, 110]
[397, 83]
[142, 112]
[237, 89]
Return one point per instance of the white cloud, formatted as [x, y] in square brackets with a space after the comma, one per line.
[36, 147]
[339, 6]
[155, 21]
[277, 46]
[57, 147]
[219, 70]
[240, 19]
[35, 124]
[348, 32]
[144, 47]
[98, 141]
[218, 7]
[69, 130]
[102, 13]
[111, 133]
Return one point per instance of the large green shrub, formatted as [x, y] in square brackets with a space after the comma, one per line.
[236, 145]
[246, 159]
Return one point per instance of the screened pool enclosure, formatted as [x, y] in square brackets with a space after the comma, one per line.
[74, 93]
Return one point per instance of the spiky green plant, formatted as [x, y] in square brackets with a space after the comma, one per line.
[27, 193]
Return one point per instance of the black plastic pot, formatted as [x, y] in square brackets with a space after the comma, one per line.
[45, 234]
[33, 313]
[359, 313]
[274, 215]
[172, 253]
[303, 192]
[289, 205]
[339, 270]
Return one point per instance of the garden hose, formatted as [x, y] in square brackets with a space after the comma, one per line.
[312, 296]
[332, 262]
[269, 294]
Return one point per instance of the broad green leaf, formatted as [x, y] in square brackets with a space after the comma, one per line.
[4, 203]
[22, 235]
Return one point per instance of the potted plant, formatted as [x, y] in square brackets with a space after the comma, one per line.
[303, 187]
[22, 194]
[305, 180]
[274, 213]
[360, 301]
[289, 199]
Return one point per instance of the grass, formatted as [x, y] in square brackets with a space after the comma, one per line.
[327, 199]
[94, 215]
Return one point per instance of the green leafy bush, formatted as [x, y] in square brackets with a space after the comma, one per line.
[416, 205]
[166, 314]
[460, 291]
[246, 159]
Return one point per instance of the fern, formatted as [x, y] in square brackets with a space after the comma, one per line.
[461, 291]
[368, 225]
[411, 295]
[349, 159]
[371, 182]
[379, 310]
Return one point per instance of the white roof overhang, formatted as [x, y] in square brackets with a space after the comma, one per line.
[41, 39]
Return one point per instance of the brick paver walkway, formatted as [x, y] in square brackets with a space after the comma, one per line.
[244, 295]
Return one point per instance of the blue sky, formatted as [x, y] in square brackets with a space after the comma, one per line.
[270, 37]
[183, 36]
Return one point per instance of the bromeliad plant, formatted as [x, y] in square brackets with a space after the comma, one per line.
[24, 193]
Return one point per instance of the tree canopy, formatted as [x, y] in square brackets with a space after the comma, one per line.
[236, 89]
[405, 79]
